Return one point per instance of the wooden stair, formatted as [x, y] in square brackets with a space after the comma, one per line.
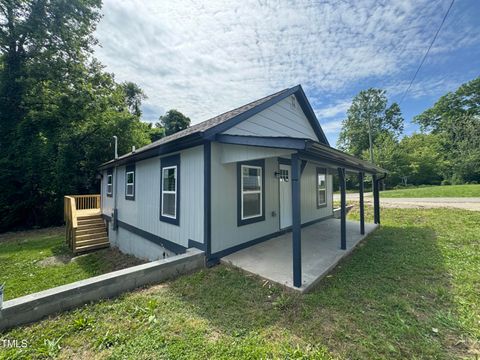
[85, 228]
[91, 234]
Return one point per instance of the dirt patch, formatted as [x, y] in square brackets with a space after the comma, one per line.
[55, 260]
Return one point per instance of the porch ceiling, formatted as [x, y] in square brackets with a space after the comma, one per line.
[321, 252]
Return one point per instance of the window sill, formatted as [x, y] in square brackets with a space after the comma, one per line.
[169, 220]
[251, 220]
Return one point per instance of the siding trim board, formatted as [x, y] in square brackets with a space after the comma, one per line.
[240, 221]
[173, 160]
[196, 244]
[167, 244]
[207, 200]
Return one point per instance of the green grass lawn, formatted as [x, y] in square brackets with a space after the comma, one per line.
[434, 191]
[32, 261]
[410, 291]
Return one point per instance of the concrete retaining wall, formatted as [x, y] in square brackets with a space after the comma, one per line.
[35, 306]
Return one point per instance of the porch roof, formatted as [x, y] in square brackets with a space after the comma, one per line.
[308, 150]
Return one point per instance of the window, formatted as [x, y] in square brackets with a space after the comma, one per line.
[251, 192]
[130, 182]
[321, 187]
[170, 184]
[109, 183]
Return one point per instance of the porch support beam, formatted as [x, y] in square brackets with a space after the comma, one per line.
[296, 222]
[376, 200]
[360, 195]
[343, 210]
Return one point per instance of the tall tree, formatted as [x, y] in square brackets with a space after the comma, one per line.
[173, 121]
[134, 97]
[455, 117]
[58, 108]
[368, 119]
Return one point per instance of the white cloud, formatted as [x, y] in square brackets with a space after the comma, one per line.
[333, 110]
[204, 58]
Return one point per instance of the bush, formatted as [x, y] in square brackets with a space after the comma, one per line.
[445, 182]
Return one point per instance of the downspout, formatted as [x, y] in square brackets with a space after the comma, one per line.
[115, 211]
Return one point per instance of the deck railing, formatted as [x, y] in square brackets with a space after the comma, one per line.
[85, 202]
[72, 209]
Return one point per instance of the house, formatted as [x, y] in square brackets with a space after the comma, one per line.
[250, 175]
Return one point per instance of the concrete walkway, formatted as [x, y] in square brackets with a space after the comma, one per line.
[321, 251]
[466, 203]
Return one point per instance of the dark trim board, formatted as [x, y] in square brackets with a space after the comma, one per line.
[130, 168]
[167, 244]
[231, 250]
[196, 244]
[258, 163]
[168, 161]
[207, 197]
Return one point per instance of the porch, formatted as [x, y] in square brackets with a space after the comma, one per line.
[273, 259]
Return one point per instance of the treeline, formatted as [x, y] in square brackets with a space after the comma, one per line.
[58, 109]
[446, 151]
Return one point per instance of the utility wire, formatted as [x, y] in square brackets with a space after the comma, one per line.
[428, 50]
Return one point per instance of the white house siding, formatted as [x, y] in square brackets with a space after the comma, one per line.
[144, 211]
[308, 195]
[225, 232]
[279, 120]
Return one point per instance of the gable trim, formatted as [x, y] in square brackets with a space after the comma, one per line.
[302, 100]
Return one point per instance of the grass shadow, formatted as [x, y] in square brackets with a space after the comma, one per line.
[389, 298]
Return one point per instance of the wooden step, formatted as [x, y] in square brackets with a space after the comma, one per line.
[84, 230]
[93, 235]
[91, 226]
[91, 247]
[96, 220]
[95, 241]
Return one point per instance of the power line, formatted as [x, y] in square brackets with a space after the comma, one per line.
[428, 50]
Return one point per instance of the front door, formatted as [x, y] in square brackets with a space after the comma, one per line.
[285, 196]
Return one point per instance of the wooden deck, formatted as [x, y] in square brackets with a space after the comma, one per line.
[85, 227]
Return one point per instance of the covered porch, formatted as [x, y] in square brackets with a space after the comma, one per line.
[302, 256]
[272, 259]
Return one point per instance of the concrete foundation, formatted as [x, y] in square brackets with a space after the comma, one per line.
[33, 307]
[321, 251]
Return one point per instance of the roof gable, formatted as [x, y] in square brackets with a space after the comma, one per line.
[207, 130]
[283, 119]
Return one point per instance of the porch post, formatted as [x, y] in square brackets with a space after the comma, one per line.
[376, 200]
[296, 223]
[362, 210]
[343, 212]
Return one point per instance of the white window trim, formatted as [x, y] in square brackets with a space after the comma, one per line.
[128, 183]
[109, 184]
[251, 191]
[323, 189]
[169, 191]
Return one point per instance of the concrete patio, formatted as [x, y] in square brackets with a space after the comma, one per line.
[321, 251]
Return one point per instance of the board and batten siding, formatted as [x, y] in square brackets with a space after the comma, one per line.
[279, 120]
[144, 211]
[225, 231]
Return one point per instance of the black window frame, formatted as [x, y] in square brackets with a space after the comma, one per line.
[165, 162]
[256, 163]
[109, 173]
[128, 169]
[321, 170]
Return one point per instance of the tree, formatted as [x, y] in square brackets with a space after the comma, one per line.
[134, 97]
[369, 114]
[455, 118]
[173, 121]
[58, 109]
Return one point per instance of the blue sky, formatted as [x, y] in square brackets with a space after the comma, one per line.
[204, 58]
